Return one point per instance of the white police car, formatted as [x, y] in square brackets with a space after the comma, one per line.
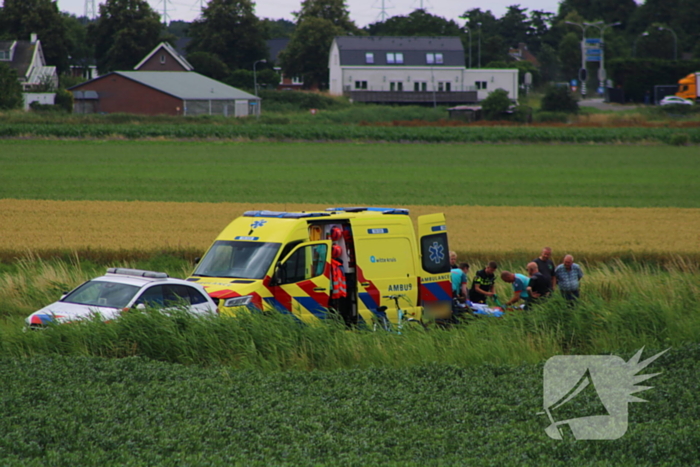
[124, 289]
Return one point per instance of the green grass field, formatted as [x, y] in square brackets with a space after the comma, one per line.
[98, 412]
[390, 174]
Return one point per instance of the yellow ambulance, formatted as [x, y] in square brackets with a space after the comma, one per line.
[292, 262]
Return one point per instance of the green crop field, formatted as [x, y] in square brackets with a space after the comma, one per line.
[98, 412]
[360, 173]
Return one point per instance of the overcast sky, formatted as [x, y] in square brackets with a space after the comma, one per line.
[362, 12]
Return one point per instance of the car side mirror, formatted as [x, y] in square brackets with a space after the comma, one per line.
[63, 295]
[197, 259]
[280, 274]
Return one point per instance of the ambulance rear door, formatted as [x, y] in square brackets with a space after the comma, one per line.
[385, 264]
[434, 256]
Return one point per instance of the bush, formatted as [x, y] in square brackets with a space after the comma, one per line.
[495, 105]
[303, 100]
[64, 100]
[38, 107]
[679, 139]
[559, 99]
[10, 89]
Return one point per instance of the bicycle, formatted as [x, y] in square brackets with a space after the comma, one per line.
[383, 321]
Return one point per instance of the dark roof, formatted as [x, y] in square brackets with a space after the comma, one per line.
[353, 48]
[24, 50]
[276, 46]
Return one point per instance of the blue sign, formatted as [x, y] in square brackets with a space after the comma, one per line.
[574, 82]
[593, 40]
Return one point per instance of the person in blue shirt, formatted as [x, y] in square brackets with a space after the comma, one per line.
[459, 281]
[519, 283]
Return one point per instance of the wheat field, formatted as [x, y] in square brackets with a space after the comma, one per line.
[36, 226]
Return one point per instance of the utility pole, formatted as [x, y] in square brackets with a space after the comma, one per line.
[90, 10]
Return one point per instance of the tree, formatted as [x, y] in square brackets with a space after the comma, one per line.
[229, 29]
[559, 99]
[570, 55]
[495, 104]
[277, 28]
[417, 23]
[514, 26]
[10, 89]
[609, 11]
[21, 18]
[307, 52]
[80, 49]
[318, 22]
[209, 65]
[335, 11]
[124, 33]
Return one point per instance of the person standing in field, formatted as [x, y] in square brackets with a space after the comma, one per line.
[483, 284]
[453, 259]
[459, 281]
[568, 276]
[519, 283]
[538, 287]
[546, 267]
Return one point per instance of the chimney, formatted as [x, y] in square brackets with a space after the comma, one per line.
[33, 38]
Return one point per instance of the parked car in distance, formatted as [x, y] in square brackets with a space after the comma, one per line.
[123, 289]
[675, 100]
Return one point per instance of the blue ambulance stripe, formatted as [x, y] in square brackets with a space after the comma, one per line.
[437, 291]
[313, 306]
[368, 301]
[272, 301]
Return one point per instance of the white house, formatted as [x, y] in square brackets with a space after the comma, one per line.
[27, 58]
[389, 69]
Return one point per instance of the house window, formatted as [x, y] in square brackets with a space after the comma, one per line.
[162, 58]
[297, 80]
[448, 86]
[394, 58]
[480, 85]
[360, 84]
[420, 86]
[4, 54]
[438, 59]
[430, 58]
[369, 57]
[441, 86]
[396, 86]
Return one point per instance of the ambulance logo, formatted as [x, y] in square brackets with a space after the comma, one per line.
[587, 396]
[257, 224]
[437, 253]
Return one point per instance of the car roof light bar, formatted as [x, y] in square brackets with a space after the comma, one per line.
[137, 272]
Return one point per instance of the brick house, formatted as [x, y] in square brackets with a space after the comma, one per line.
[162, 93]
[164, 58]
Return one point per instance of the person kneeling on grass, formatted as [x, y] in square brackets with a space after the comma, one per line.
[483, 284]
[519, 283]
[538, 288]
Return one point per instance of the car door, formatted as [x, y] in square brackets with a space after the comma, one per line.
[302, 282]
[436, 287]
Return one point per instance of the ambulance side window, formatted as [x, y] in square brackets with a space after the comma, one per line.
[435, 253]
[305, 263]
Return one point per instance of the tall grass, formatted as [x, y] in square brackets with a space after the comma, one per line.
[623, 307]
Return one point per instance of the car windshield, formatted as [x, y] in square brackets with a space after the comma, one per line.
[245, 260]
[100, 293]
